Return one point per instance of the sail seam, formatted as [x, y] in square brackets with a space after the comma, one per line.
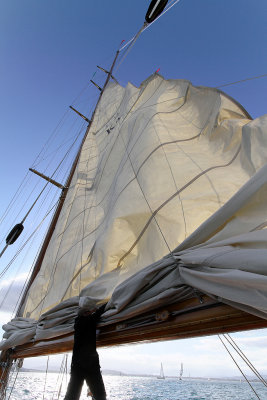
[172, 197]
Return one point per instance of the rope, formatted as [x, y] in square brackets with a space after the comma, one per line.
[52, 136]
[46, 376]
[13, 384]
[5, 213]
[132, 42]
[167, 9]
[245, 359]
[145, 26]
[59, 375]
[239, 367]
[242, 80]
[24, 244]
[59, 165]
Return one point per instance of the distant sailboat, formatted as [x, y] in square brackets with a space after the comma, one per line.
[181, 372]
[161, 374]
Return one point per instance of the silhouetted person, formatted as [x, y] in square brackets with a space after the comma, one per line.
[85, 360]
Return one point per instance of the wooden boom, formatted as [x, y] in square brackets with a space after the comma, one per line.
[186, 319]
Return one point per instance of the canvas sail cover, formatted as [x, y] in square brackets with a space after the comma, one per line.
[169, 195]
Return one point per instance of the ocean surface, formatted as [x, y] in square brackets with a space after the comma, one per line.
[36, 386]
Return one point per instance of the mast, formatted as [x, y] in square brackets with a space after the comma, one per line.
[5, 359]
[181, 372]
[63, 195]
[155, 8]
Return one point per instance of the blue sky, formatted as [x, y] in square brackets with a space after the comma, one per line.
[49, 52]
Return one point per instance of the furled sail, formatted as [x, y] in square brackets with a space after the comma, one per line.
[165, 198]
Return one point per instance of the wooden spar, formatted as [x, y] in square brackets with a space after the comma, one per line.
[186, 319]
[104, 70]
[96, 85]
[47, 178]
[80, 114]
[49, 234]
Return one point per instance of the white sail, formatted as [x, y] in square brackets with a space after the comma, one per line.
[161, 373]
[181, 372]
[164, 171]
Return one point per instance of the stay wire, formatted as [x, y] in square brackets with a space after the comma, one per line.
[52, 136]
[239, 367]
[24, 244]
[62, 375]
[23, 183]
[129, 45]
[34, 162]
[5, 213]
[71, 128]
[242, 80]
[171, 4]
[47, 363]
[53, 201]
[67, 153]
[243, 356]
[58, 376]
[13, 384]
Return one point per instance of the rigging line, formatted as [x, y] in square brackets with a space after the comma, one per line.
[242, 80]
[70, 129]
[67, 153]
[29, 273]
[151, 23]
[54, 269]
[53, 134]
[62, 375]
[243, 356]
[13, 384]
[58, 376]
[33, 191]
[132, 41]
[238, 367]
[24, 244]
[21, 208]
[13, 198]
[51, 277]
[34, 202]
[127, 51]
[56, 150]
[31, 269]
[46, 376]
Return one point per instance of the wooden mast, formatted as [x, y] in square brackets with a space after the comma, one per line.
[5, 357]
[63, 195]
[186, 319]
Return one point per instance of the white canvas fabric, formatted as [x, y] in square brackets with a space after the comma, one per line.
[166, 198]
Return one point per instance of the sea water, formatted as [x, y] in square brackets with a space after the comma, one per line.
[39, 386]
